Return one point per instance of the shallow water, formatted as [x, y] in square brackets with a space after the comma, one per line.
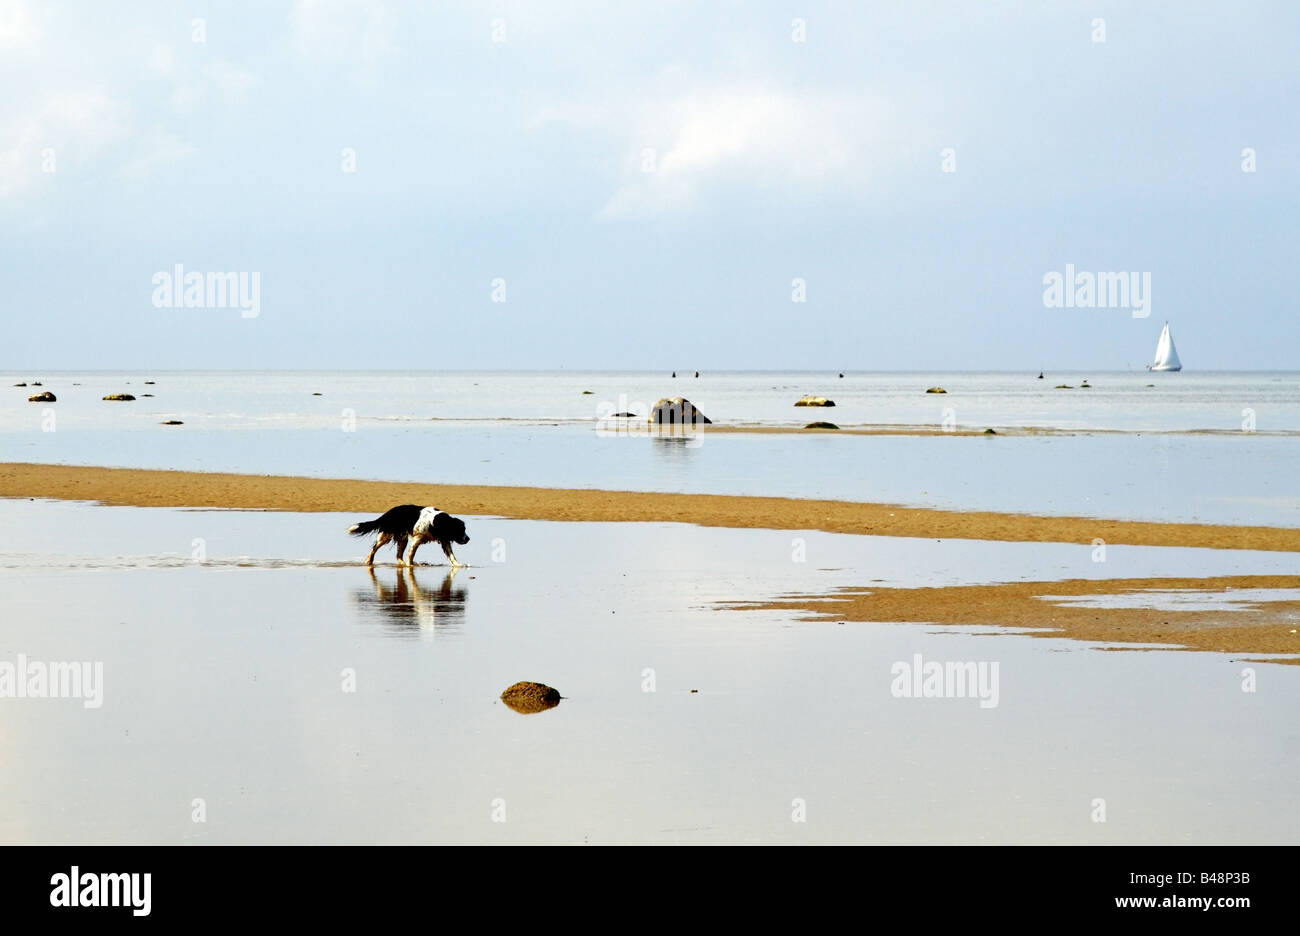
[225, 636]
[538, 429]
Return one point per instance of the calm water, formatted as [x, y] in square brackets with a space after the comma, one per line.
[223, 681]
[541, 429]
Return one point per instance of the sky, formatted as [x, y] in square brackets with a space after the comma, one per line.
[689, 185]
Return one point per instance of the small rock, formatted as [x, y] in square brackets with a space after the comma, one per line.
[936, 390]
[588, 392]
[624, 415]
[172, 422]
[148, 382]
[119, 396]
[990, 432]
[45, 397]
[821, 425]
[1064, 386]
[809, 400]
[529, 697]
[318, 394]
[20, 384]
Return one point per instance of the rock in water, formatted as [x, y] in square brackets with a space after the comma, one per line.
[676, 411]
[172, 422]
[936, 390]
[119, 396]
[814, 401]
[45, 397]
[821, 425]
[529, 697]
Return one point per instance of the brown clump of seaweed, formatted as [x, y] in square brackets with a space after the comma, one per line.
[529, 697]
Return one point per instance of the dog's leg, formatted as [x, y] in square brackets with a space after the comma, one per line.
[401, 550]
[380, 540]
[446, 548]
[415, 544]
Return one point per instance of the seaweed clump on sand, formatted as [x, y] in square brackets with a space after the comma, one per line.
[529, 697]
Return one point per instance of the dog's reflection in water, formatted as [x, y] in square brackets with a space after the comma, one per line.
[407, 604]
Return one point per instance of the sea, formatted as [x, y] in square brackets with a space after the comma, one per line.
[1205, 447]
[245, 679]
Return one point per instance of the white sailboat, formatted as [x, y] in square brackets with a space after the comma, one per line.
[1166, 353]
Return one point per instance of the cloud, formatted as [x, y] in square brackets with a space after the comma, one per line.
[228, 77]
[355, 31]
[17, 29]
[65, 128]
[193, 91]
[156, 149]
[683, 145]
[161, 60]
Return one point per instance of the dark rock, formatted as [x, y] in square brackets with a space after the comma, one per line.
[45, 397]
[672, 411]
[119, 396]
[821, 425]
[529, 697]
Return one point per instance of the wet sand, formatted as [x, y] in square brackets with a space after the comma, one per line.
[155, 488]
[1264, 627]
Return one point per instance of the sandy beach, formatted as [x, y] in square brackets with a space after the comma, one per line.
[155, 488]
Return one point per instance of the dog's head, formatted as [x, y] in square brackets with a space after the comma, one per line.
[450, 529]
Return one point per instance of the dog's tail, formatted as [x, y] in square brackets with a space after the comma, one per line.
[362, 529]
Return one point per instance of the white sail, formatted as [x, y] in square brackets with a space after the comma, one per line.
[1166, 353]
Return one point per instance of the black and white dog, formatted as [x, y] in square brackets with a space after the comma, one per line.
[417, 524]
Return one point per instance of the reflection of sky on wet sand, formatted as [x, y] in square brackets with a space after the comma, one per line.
[224, 680]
